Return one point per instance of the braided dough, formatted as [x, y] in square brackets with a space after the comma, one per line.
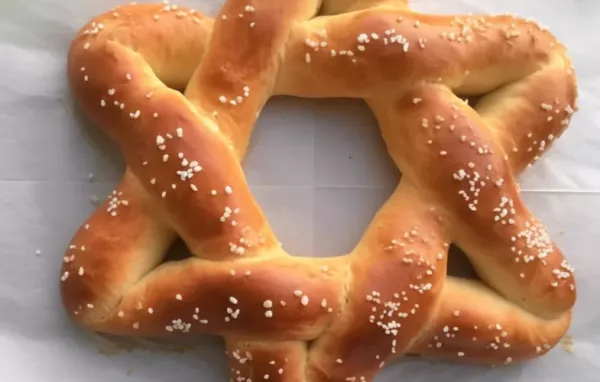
[288, 318]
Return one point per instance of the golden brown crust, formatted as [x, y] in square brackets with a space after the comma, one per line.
[279, 361]
[442, 137]
[390, 296]
[396, 277]
[499, 334]
[93, 278]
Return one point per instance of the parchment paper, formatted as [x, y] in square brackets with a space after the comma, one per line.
[318, 168]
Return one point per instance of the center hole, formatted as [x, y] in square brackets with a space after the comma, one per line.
[320, 170]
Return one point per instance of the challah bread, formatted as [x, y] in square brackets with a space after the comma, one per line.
[335, 319]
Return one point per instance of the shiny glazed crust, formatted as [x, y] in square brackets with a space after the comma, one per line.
[180, 93]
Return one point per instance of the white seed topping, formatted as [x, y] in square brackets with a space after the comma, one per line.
[304, 300]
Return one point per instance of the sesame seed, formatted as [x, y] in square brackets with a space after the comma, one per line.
[233, 300]
[81, 271]
[228, 190]
[339, 360]
[193, 187]
[179, 132]
[222, 99]
[111, 92]
[165, 157]
[103, 103]
[268, 304]
[307, 58]
[121, 314]
[298, 293]
[461, 354]
[136, 325]
[304, 300]
[269, 313]
[155, 115]
[128, 76]
[150, 310]
[86, 46]
[178, 297]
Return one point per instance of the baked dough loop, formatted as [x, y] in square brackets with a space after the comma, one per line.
[180, 93]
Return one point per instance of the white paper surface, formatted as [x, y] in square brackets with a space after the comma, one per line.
[319, 169]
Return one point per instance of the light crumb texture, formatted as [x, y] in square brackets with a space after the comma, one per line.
[180, 93]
